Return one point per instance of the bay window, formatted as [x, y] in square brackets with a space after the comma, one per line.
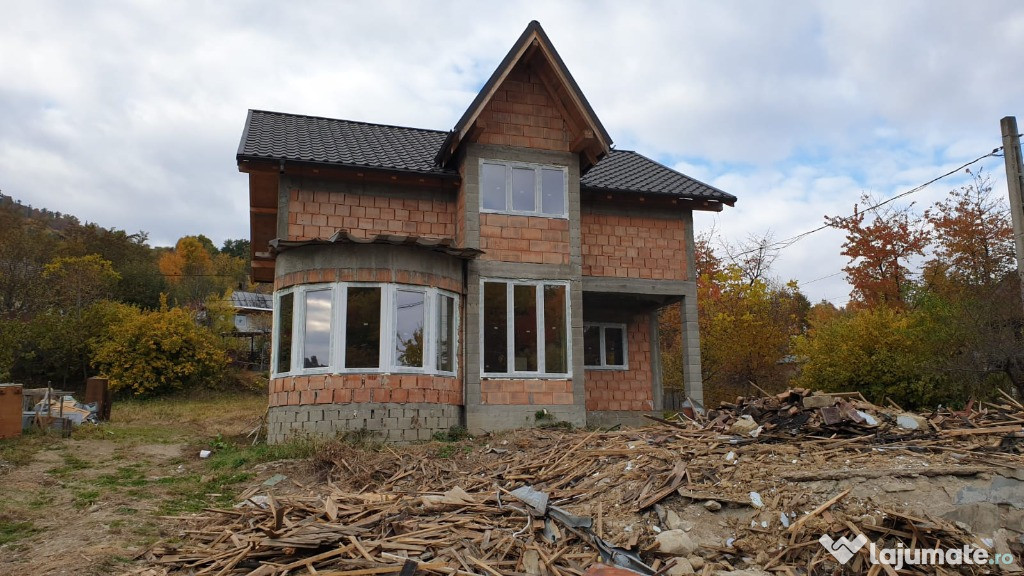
[524, 328]
[361, 327]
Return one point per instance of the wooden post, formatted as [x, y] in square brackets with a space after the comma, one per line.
[1015, 186]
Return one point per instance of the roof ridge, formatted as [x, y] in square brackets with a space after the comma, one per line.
[360, 122]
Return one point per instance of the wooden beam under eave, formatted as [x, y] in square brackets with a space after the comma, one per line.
[585, 139]
[478, 128]
[577, 104]
[263, 270]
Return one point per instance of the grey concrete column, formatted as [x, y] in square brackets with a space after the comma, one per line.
[692, 382]
[657, 390]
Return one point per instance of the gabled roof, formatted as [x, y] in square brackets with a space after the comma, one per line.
[627, 171]
[279, 136]
[534, 42]
[296, 138]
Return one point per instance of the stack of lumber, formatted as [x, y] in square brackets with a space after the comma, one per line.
[407, 510]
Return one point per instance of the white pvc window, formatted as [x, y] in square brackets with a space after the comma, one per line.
[604, 346]
[524, 328]
[364, 327]
[528, 189]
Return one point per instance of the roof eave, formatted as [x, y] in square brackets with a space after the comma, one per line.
[445, 174]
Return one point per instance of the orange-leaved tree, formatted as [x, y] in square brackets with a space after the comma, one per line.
[879, 243]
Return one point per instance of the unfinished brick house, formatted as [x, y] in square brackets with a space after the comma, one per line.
[514, 264]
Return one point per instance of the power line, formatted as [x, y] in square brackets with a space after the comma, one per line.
[786, 243]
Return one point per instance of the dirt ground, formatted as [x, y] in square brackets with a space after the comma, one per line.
[96, 503]
[89, 504]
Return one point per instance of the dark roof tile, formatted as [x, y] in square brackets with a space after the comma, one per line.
[279, 136]
[628, 171]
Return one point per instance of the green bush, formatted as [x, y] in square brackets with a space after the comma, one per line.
[158, 352]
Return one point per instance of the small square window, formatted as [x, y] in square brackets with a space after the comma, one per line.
[604, 346]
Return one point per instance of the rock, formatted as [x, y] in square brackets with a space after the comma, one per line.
[712, 506]
[531, 562]
[743, 426]
[675, 542]
[818, 401]
[909, 421]
[897, 487]
[697, 562]
[674, 522]
[682, 567]
[1002, 548]
[982, 517]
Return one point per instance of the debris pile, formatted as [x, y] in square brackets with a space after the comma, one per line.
[712, 497]
[801, 412]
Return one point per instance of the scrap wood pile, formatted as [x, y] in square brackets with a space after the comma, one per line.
[801, 412]
[557, 502]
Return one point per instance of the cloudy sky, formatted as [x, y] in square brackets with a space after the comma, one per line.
[128, 114]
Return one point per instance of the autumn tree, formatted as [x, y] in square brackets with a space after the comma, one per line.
[973, 235]
[746, 322]
[880, 242]
[25, 247]
[78, 281]
[753, 257]
[194, 270]
[971, 288]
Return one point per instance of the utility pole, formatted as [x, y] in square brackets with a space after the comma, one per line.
[1015, 186]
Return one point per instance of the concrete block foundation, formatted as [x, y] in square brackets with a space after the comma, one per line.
[390, 422]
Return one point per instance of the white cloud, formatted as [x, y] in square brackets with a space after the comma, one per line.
[129, 113]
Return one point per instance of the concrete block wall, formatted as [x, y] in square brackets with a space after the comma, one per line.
[633, 246]
[318, 209]
[547, 392]
[365, 388]
[385, 421]
[625, 390]
[531, 239]
[522, 113]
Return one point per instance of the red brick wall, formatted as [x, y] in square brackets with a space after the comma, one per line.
[317, 214]
[529, 239]
[522, 113]
[629, 389]
[367, 275]
[633, 247]
[361, 388]
[526, 392]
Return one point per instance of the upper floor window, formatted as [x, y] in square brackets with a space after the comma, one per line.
[364, 327]
[517, 188]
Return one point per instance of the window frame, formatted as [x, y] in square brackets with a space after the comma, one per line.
[538, 194]
[510, 330]
[388, 330]
[602, 326]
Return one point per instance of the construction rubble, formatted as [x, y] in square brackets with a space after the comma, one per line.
[765, 485]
